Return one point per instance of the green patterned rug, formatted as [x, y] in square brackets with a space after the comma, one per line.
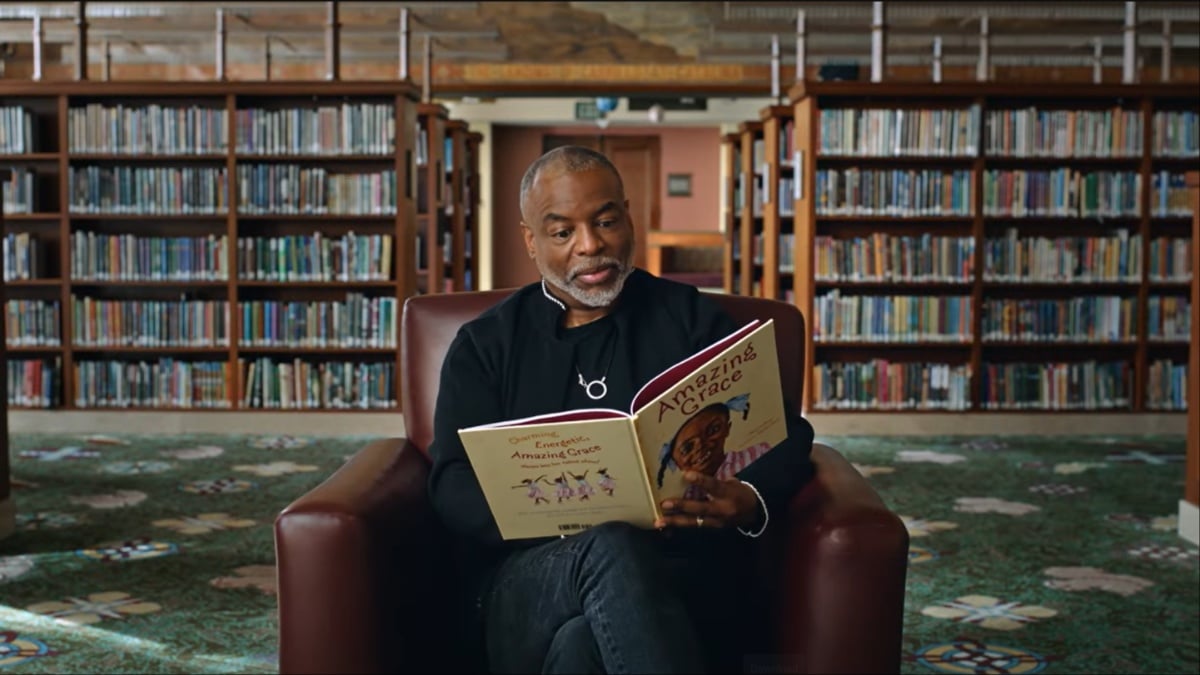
[154, 554]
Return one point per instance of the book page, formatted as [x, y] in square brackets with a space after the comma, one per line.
[724, 415]
[559, 478]
[672, 376]
[576, 415]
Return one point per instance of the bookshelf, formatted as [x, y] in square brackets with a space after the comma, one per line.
[1192, 470]
[208, 246]
[730, 157]
[748, 204]
[471, 185]
[987, 246]
[7, 510]
[433, 225]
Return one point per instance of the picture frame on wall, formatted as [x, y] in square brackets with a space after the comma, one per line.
[679, 185]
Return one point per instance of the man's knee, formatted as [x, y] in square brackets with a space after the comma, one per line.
[628, 552]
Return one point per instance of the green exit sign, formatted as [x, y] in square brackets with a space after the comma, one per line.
[586, 110]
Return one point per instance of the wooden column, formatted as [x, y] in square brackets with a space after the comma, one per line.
[81, 26]
[332, 42]
[220, 45]
[8, 511]
[403, 74]
[1188, 517]
[427, 72]
[39, 40]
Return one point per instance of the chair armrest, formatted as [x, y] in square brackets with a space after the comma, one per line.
[344, 583]
[844, 557]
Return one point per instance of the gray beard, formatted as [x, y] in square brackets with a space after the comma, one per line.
[600, 297]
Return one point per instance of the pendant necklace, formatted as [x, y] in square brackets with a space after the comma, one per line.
[601, 389]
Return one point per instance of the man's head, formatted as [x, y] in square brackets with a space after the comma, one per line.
[699, 445]
[577, 228]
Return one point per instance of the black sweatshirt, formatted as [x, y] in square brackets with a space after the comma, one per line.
[515, 360]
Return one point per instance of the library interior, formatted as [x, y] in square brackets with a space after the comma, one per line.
[239, 238]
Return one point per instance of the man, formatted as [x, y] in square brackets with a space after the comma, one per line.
[614, 598]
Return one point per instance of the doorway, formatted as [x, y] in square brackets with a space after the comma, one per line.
[637, 159]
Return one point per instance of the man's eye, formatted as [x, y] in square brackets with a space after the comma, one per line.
[561, 234]
[607, 223]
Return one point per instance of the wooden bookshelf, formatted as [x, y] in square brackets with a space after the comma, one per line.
[730, 148]
[471, 183]
[1192, 471]
[958, 214]
[433, 227]
[279, 163]
[749, 209]
[8, 514]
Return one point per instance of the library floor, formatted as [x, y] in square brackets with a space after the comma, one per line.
[154, 553]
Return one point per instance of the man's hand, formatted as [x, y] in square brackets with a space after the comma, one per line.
[730, 503]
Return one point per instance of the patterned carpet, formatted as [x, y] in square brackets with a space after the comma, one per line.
[154, 554]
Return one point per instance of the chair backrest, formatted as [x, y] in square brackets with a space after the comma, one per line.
[429, 323]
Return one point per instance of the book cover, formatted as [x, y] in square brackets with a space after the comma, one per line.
[561, 473]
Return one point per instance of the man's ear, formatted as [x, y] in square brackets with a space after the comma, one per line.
[528, 233]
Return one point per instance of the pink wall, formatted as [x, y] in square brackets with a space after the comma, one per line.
[694, 150]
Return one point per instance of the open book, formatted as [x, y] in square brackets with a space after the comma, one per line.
[715, 412]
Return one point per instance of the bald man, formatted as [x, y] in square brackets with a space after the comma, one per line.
[614, 598]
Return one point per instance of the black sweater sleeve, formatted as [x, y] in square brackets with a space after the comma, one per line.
[467, 396]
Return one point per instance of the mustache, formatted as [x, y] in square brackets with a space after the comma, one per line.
[591, 265]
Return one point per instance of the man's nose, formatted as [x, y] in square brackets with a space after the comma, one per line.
[589, 241]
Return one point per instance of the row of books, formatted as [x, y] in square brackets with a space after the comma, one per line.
[1087, 319]
[1064, 133]
[893, 192]
[1061, 193]
[1021, 132]
[22, 257]
[880, 384]
[1167, 385]
[345, 129]
[16, 130]
[32, 323]
[18, 191]
[1086, 385]
[165, 383]
[148, 190]
[97, 256]
[1068, 259]
[1171, 259]
[1168, 317]
[299, 384]
[1169, 195]
[98, 128]
[292, 188]
[875, 132]
[884, 257]
[149, 323]
[316, 257]
[891, 318]
[34, 383]
[358, 321]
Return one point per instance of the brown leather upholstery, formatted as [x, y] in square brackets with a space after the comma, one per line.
[362, 561]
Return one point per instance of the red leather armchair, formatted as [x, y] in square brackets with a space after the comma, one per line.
[363, 565]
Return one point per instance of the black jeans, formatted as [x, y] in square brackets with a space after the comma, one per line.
[619, 599]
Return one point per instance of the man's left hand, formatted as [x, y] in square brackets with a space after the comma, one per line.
[730, 503]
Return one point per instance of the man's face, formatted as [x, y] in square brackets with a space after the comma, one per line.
[578, 232]
[700, 444]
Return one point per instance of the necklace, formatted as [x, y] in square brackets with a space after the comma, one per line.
[601, 389]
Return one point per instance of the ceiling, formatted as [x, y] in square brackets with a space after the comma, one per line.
[1021, 33]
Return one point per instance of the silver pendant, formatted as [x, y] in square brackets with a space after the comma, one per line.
[587, 387]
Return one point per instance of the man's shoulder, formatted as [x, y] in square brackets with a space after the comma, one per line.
[491, 321]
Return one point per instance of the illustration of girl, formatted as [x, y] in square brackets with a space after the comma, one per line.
[582, 488]
[535, 490]
[699, 445]
[607, 483]
[561, 489]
